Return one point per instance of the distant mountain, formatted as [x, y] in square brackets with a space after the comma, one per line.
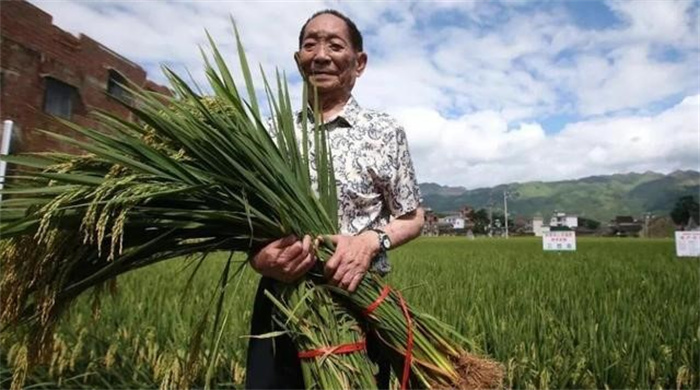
[437, 189]
[596, 197]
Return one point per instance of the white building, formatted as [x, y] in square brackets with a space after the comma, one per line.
[562, 219]
[456, 221]
[537, 226]
[558, 220]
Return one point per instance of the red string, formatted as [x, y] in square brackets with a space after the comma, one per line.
[335, 350]
[409, 347]
[374, 305]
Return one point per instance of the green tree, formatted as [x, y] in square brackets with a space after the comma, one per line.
[588, 223]
[481, 221]
[686, 207]
[661, 227]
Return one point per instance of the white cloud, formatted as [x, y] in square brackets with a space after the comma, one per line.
[152, 33]
[668, 21]
[626, 78]
[479, 150]
[472, 81]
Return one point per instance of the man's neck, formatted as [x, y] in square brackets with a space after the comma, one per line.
[331, 106]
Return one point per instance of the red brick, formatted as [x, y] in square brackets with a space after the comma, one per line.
[32, 48]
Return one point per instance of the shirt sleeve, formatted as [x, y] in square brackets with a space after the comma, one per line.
[402, 192]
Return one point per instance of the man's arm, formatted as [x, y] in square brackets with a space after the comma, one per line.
[353, 254]
[405, 228]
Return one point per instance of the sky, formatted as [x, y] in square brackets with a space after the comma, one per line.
[489, 92]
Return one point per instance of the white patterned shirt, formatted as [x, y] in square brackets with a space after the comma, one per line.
[374, 173]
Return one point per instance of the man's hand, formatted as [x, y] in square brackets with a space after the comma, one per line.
[286, 259]
[351, 259]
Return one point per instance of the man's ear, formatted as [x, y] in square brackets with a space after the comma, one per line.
[361, 63]
[298, 61]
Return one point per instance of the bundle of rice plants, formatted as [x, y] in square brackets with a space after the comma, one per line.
[331, 343]
[425, 352]
[202, 175]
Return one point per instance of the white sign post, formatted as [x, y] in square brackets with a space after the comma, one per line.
[5, 149]
[688, 244]
[559, 241]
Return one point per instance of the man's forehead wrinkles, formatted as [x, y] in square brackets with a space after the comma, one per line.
[323, 34]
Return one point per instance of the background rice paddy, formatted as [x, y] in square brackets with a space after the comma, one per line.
[616, 313]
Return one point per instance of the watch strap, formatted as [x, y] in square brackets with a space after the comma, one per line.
[384, 240]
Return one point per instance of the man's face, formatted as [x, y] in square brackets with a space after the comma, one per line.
[327, 56]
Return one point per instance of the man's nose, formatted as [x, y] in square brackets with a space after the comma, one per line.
[321, 54]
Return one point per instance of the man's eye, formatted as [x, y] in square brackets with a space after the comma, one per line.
[309, 45]
[336, 47]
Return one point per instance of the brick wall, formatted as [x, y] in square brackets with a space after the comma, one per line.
[31, 50]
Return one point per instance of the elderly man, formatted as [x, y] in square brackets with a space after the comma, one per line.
[378, 195]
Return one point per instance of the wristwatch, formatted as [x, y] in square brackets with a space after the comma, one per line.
[384, 240]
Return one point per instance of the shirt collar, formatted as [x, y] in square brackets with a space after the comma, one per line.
[348, 116]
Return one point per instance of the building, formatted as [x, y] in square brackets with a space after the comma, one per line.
[430, 225]
[560, 219]
[461, 222]
[625, 226]
[468, 214]
[538, 226]
[47, 71]
[457, 221]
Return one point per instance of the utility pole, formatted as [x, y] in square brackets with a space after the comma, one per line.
[647, 217]
[505, 209]
[512, 194]
[490, 233]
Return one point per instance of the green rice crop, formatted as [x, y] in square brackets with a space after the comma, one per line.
[616, 313]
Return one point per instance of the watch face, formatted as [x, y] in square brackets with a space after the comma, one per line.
[386, 243]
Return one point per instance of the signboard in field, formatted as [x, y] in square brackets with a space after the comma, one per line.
[688, 244]
[559, 241]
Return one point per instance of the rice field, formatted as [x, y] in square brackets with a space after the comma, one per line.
[616, 314]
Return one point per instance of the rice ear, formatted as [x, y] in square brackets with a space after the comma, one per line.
[478, 373]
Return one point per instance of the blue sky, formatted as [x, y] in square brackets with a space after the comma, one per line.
[489, 92]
